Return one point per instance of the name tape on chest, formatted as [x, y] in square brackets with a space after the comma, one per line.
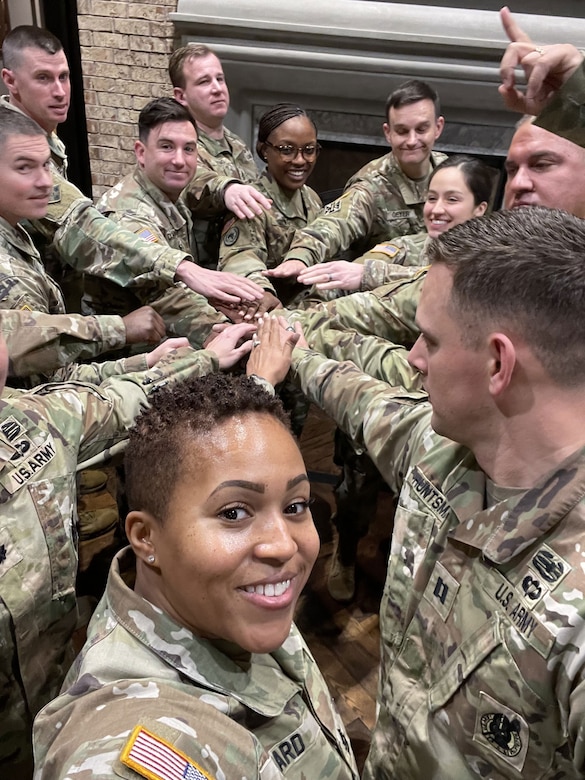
[429, 494]
[156, 759]
[402, 214]
[288, 751]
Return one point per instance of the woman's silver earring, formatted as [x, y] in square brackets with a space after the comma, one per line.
[151, 559]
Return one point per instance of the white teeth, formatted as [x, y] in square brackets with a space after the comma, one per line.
[272, 589]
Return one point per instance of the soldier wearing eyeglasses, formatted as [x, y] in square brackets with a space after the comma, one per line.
[225, 167]
[287, 142]
[385, 198]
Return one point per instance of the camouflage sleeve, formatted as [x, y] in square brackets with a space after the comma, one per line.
[374, 356]
[243, 249]
[109, 409]
[565, 114]
[388, 312]
[40, 343]
[374, 414]
[339, 224]
[92, 243]
[186, 313]
[138, 224]
[380, 272]
[190, 733]
[205, 194]
[22, 286]
[96, 373]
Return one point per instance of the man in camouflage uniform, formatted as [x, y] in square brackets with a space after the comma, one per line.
[36, 75]
[385, 198]
[24, 283]
[226, 167]
[148, 202]
[481, 619]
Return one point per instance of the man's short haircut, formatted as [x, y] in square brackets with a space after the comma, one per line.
[27, 36]
[169, 433]
[159, 111]
[14, 123]
[521, 271]
[180, 56]
[410, 92]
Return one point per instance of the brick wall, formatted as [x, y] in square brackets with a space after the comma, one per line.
[125, 48]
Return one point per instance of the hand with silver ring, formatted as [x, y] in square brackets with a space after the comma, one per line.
[255, 342]
[290, 327]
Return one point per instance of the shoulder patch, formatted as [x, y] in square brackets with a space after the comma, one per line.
[156, 759]
[391, 250]
[55, 196]
[6, 284]
[231, 236]
[147, 235]
[332, 207]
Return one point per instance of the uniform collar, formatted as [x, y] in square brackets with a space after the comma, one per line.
[203, 661]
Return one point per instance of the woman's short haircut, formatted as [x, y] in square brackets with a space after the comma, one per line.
[167, 433]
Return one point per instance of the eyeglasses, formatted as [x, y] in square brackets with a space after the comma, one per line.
[289, 152]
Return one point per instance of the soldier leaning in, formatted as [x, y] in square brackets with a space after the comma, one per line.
[25, 183]
[148, 203]
[45, 434]
[192, 653]
[36, 75]
[481, 621]
[385, 198]
[459, 188]
[226, 167]
[287, 142]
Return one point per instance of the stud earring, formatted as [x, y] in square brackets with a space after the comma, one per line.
[151, 559]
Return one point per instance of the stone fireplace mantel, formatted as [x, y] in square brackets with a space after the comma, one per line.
[341, 58]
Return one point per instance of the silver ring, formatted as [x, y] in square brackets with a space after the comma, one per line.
[255, 342]
[539, 51]
[329, 278]
[290, 327]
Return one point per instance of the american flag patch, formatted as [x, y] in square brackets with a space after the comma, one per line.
[156, 759]
[147, 235]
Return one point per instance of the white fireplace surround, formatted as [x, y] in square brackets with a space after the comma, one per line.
[341, 58]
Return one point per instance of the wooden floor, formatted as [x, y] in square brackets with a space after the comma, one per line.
[344, 638]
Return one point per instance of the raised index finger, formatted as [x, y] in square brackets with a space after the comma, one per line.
[512, 29]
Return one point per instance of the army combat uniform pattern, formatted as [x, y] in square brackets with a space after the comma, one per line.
[379, 203]
[46, 436]
[250, 246]
[393, 260]
[39, 344]
[219, 163]
[139, 207]
[218, 711]
[482, 614]
[26, 286]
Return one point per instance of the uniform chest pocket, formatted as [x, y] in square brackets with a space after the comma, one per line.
[54, 501]
[500, 715]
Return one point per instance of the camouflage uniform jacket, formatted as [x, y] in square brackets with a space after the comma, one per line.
[25, 286]
[231, 714]
[219, 163]
[138, 207]
[481, 620]
[564, 114]
[46, 435]
[250, 246]
[379, 203]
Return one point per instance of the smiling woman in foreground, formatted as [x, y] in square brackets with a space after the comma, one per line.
[192, 660]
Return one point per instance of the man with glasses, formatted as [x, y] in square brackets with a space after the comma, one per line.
[225, 166]
[385, 198]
